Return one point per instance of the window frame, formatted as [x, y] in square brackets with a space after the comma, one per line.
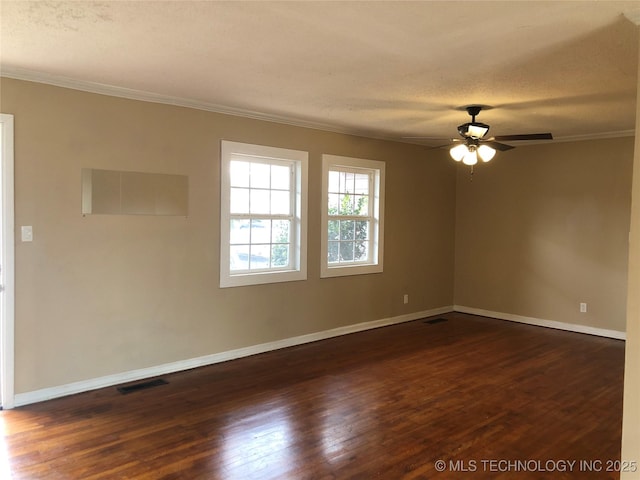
[298, 160]
[376, 205]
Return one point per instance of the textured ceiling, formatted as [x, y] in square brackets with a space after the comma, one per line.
[388, 69]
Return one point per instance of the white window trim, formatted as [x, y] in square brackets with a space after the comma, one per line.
[7, 259]
[299, 250]
[377, 233]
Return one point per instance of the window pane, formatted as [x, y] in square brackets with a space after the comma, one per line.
[347, 229]
[239, 257]
[239, 200]
[280, 231]
[259, 257]
[333, 230]
[342, 186]
[280, 202]
[346, 205]
[260, 231]
[361, 251]
[349, 182]
[280, 255]
[334, 202]
[334, 252]
[260, 201]
[260, 175]
[239, 174]
[334, 181]
[362, 230]
[280, 177]
[362, 184]
[239, 231]
[361, 205]
[346, 251]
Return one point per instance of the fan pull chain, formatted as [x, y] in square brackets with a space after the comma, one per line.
[471, 175]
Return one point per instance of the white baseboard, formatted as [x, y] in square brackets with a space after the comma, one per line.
[571, 327]
[35, 396]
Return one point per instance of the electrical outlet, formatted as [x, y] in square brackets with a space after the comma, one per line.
[406, 298]
[583, 308]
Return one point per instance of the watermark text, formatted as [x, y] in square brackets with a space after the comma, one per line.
[534, 465]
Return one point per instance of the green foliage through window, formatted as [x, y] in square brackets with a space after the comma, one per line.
[348, 237]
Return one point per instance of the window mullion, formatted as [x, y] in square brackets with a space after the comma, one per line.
[350, 217]
[371, 194]
[260, 216]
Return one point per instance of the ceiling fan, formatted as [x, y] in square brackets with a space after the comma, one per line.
[473, 143]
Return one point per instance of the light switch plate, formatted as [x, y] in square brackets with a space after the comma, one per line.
[26, 233]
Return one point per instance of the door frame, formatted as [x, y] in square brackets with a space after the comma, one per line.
[7, 250]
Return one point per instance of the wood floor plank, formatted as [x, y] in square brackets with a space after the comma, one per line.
[386, 403]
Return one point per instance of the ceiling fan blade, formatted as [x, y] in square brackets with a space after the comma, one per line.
[497, 145]
[524, 136]
[446, 145]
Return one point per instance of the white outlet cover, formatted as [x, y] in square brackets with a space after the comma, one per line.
[26, 233]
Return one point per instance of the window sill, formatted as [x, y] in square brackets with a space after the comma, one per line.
[343, 271]
[242, 280]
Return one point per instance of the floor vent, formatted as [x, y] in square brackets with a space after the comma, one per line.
[142, 386]
[433, 321]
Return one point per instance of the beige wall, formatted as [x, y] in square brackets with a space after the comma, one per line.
[542, 228]
[105, 294]
[631, 415]
[539, 230]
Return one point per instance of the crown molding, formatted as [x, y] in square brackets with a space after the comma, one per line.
[132, 94]
[141, 95]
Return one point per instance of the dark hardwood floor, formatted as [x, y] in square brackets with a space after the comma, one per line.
[388, 403]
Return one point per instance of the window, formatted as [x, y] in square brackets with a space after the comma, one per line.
[263, 214]
[352, 216]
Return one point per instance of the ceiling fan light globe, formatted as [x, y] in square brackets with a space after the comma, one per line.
[486, 152]
[470, 158]
[458, 152]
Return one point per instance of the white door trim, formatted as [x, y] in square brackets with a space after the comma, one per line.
[7, 261]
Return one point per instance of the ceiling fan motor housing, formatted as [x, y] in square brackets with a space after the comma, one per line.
[473, 129]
